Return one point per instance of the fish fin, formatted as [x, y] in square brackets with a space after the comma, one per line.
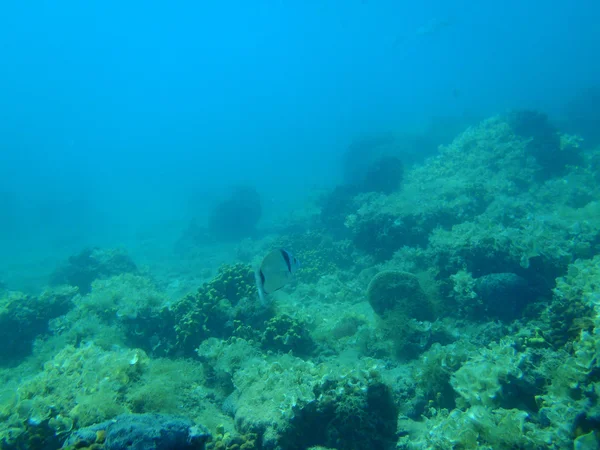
[259, 287]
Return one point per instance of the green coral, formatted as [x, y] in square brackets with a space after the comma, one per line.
[217, 303]
[283, 333]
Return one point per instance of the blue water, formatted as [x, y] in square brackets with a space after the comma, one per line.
[124, 117]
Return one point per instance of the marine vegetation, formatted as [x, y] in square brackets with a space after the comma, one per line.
[211, 311]
[454, 306]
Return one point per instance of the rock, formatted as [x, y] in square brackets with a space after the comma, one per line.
[92, 264]
[24, 317]
[236, 217]
[142, 432]
[398, 291]
[504, 295]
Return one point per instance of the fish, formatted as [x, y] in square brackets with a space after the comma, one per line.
[275, 271]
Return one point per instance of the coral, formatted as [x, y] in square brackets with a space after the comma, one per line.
[236, 217]
[569, 404]
[225, 441]
[283, 333]
[92, 264]
[211, 312]
[24, 317]
[536, 245]
[142, 432]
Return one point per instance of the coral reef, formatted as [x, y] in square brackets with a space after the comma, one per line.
[454, 305]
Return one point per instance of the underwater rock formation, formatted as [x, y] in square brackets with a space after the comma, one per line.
[362, 153]
[395, 291]
[92, 264]
[401, 304]
[545, 143]
[383, 175]
[24, 317]
[345, 418]
[237, 216]
[302, 404]
[335, 207]
[141, 432]
[504, 295]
